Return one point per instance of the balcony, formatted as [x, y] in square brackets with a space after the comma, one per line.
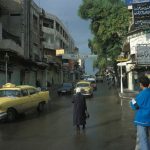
[10, 45]
[48, 30]
[49, 58]
[48, 45]
[11, 5]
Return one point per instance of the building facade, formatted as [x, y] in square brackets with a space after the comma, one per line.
[30, 44]
[137, 45]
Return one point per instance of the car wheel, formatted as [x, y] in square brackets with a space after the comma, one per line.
[41, 107]
[11, 114]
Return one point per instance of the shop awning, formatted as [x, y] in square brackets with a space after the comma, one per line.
[124, 63]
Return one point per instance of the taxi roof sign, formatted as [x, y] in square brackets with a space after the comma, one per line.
[9, 85]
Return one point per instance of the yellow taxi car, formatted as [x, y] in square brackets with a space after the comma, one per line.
[19, 99]
[86, 88]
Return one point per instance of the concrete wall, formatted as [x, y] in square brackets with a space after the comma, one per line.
[2, 78]
[30, 78]
[0, 31]
[138, 38]
[15, 77]
[12, 24]
[35, 31]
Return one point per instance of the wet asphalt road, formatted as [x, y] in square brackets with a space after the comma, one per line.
[108, 128]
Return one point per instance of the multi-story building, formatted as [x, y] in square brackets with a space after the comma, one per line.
[57, 41]
[11, 48]
[30, 41]
[137, 44]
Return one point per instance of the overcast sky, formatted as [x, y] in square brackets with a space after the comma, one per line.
[66, 10]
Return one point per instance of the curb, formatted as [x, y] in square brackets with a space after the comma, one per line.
[127, 95]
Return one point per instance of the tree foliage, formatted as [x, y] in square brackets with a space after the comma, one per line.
[109, 21]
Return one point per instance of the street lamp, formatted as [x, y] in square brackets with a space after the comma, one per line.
[121, 82]
[6, 67]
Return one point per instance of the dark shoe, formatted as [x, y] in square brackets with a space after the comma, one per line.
[83, 127]
[78, 127]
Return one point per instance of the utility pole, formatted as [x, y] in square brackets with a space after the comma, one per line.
[6, 67]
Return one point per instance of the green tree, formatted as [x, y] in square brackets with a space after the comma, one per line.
[109, 21]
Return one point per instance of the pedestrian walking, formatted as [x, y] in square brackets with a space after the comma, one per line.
[141, 104]
[79, 109]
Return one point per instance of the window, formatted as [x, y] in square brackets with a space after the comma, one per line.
[35, 22]
[45, 24]
[67, 84]
[49, 23]
[57, 26]
[24, 92]
[83, 85]
[32, 91]
[10, 93]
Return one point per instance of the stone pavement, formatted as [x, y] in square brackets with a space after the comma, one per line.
[127, 112]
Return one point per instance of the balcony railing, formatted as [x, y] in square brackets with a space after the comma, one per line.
[48, 30]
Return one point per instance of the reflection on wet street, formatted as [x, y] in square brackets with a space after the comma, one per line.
[108, 127]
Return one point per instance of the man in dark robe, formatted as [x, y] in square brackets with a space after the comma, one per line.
[79, 110]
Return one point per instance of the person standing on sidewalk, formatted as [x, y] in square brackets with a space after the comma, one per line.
[141, 104]
[79, 109]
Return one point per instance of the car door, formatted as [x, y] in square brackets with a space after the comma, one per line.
[22, 101]
[35, 97]
[27, 99]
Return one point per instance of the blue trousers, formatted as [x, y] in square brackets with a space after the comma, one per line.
[143, 136]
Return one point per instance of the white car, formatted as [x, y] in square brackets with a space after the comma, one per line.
[86, 88]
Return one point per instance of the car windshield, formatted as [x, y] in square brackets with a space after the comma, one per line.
[7, 93]
[83, 85]
[67, 85]
[91, 80]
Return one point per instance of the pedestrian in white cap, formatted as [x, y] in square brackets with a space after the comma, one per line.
[79, 109]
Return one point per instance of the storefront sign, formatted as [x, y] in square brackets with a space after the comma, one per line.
[130, 2]
[139, 1]
[141, 12]
[122, 59]
[143, 55]
[59, 52]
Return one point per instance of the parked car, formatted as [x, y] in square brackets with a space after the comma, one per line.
[66, 88]
[19, 99]
[86, 88]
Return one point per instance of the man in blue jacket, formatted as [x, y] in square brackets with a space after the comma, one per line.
[142, 117]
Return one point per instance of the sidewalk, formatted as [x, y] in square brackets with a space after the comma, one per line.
[128, 94]
[128, 113]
